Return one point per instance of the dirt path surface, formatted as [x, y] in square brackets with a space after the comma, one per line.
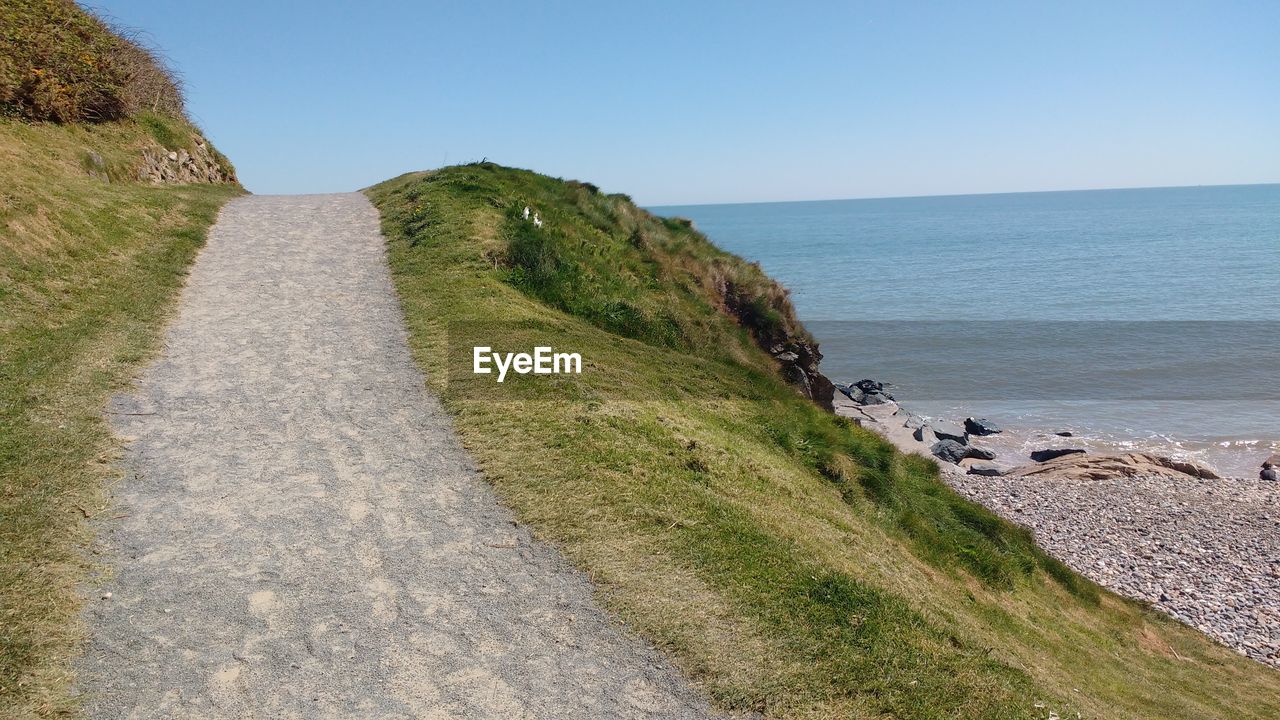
[301, 534]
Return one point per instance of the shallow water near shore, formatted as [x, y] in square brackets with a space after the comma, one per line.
[1144, 319]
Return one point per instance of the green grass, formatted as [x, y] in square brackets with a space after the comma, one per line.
[170, 133]
[786, 560]
[88, 271]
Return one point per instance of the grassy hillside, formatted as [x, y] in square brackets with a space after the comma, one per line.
[90, 261]
[788, 561]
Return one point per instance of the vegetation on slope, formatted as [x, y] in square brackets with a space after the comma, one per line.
[59, 63]
[90, 260]
[790, 562]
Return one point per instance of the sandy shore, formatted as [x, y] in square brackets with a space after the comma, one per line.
[1207, 552]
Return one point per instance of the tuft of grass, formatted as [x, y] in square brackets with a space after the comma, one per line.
[788, 561]
[88, 270]
[169, 132]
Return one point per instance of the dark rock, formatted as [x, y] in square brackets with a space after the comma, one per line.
[799, 367]
[1268, 473]
[869, 386]
[1065, 433]
[864, 392]
[949, 431]
[924, 434]
[980, 426]
[949, 450]
[821, 391]
[1047, 455]
[796, 375]
[980, 453]
[954, 452]
[985, 469]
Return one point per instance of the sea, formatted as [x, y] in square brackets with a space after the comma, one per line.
[1136, 319]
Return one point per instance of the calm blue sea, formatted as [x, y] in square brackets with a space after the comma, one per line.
[1145, 318]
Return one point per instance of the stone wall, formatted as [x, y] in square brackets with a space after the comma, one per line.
[201, 165]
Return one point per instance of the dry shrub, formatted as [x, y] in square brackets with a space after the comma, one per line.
[59, 63]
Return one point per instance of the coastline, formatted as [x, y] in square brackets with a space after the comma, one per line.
[1203, 550]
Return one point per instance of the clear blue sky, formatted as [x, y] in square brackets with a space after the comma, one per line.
[688, 102]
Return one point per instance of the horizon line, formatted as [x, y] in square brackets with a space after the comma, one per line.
[958, 195]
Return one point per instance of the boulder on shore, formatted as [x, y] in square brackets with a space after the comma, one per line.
[949, 450]
[981, 453]
[871, 386]
[1273, 461]
[1053, 454]
[1079, 466]
[1267, 473]
[981, 426]
[865, 392]
[953, 452]
[985, 469]
[949, 431]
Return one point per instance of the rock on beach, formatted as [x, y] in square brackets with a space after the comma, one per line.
[981, 426]
[949, 431]
[1052, 454]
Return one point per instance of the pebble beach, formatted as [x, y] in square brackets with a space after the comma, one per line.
[1206, 552]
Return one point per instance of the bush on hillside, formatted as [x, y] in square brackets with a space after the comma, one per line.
[59, 63]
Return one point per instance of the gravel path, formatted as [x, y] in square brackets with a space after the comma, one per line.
[1204, 551]
[301, 535]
